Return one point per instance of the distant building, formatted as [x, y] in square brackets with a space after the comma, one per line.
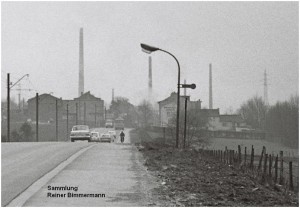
[168, 107]
[213, 118]
[233, 122]
[218, 122]
[47, 107]
[89, 110]
[214, 121]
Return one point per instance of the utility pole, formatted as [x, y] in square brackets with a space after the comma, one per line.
[210, 88]
[185, 107]
[23, 105]
[8, 107]
[67, 119]
[19, 96]
[37, 116]
[8, 102]
[184, 88]
[95, 115]
[56, 120]
[84, 113]
[76, 113]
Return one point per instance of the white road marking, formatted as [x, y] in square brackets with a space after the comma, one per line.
[37, 185]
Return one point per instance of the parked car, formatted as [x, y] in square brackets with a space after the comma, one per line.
[80, 132]
[106, 138]
[95, 137]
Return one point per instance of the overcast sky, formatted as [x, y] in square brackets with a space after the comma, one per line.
[240, 39]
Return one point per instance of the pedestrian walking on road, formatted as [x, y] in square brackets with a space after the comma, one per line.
[122, 135]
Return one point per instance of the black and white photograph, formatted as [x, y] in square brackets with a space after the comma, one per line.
[149, 104]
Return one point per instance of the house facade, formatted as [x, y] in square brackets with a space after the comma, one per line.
[168, 107]
[46, 107]
[217, 122]
[212, 118]
[86, 109]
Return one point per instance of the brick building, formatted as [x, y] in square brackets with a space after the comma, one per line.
[86, 109]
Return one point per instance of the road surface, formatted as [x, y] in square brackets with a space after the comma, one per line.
[24, 163]
[107, 174]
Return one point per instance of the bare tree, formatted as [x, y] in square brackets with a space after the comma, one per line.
[145, 110]
[254, 112]
[283, 121]
[195, 126]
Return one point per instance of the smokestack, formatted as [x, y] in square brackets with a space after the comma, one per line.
[184, 88]
[113, 95]
[81, 64]
[210, 88]
[150, 79]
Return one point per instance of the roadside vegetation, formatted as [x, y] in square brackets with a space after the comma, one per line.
[188, 178]
[280, 121]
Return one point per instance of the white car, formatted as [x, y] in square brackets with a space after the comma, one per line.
[95, 137]
[106, 138]
[80, 132]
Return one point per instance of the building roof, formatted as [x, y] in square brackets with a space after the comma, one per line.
[237, 118]
[43, 96]
[172, 97]
[211, 112]
[87, 96]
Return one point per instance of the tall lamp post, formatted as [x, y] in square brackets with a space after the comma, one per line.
[150, 49]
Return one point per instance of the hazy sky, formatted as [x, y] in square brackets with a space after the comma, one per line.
[240, 39]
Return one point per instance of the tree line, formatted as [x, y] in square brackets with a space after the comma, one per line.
[280, 121]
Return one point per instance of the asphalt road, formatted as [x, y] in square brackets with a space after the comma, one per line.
[24, 163]
[112, 171]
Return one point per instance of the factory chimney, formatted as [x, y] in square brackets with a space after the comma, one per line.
[210, 88]
[113, 95]
[81, 64]
[150, 80]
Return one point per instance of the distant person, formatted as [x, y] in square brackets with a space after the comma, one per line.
[122, 135]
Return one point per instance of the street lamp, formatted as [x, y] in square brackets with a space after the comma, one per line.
[150, 49]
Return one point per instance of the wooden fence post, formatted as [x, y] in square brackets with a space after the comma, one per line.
[233, 157]
[239, 154]
[221, 152]
[281, 168]
[252, 158]
[291, 175]
[226, 155]
[261, 158]
[276, 169]
[245, 157]
[270, 166]
[164, 130]
[265, 168]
